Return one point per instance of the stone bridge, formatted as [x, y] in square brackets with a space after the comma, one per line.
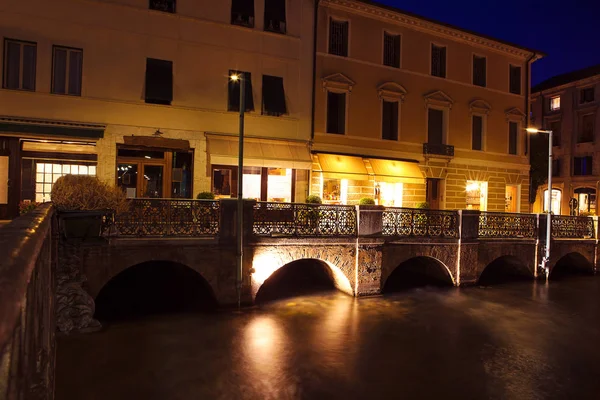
[362, 246]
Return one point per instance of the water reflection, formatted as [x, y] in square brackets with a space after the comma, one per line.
[516, 341]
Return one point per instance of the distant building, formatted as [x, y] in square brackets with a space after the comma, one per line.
[567, 104]
[409, 110]
[137, 92]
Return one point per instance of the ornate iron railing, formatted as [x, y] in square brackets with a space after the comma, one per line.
[163, 5]
[568, 227]
[27, 306]
[507, 225]
[438, 149]
[412, 222]
[292, 219]
[167, 218]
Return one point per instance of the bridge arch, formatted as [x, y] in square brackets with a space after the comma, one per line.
[154, 287]
[573, 263]
[418, 271]
[337, 262]
[505, 269]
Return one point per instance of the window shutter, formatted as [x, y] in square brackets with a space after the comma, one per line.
[477, 132]
[159, 81]
[443, 62]
[515, 79]
[60, 71]
[338, 37]
[390, 120]
[275, 16]
[512, 138]
[13, 65]
[29, 60]
[242, 12]
[75, 70]
[336, 113]
[273, 96]
[435, 126]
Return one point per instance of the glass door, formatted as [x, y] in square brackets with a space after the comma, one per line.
[152, 181]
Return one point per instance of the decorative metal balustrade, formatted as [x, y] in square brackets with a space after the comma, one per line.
[568, 227]
[167, 218]
[412, 222]
[507, 225]
[438, 149]
[292, 219]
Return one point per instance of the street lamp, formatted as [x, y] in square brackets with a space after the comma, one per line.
[240, 200]
[546, 258]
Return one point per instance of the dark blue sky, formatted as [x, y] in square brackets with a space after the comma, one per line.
[568, 31]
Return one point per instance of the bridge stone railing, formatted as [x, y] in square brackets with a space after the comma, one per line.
[27, 300]
[296, 219]
[412, 222]
[572, 227]
[507, 225]
[167, 218]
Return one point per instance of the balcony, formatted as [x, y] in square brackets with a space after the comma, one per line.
[163, 5]
[438, 149]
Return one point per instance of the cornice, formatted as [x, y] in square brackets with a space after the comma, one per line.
[431, 27]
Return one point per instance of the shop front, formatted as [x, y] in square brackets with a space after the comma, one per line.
[274, 170]
[477, 195]
[394, 178]
[586, 200]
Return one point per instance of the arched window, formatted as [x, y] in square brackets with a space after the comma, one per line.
[556, 200]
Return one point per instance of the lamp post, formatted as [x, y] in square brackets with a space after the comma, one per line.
[546, 258]
[240, 200]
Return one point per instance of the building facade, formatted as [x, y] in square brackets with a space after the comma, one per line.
[409, 110]
[568, 105]
[139, 93]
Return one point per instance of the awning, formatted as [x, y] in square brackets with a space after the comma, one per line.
[336, 166]
[57, 147]
[396, 171]
[268, 153]
[51, 128]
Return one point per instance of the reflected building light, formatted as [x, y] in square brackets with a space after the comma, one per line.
[264, 265]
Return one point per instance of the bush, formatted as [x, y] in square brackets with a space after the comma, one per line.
[314, 199]
[205, 196]
[83, 192]
[423, 205]
[27, 207]
[366, 201]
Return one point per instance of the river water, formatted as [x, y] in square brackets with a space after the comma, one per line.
[512, 341]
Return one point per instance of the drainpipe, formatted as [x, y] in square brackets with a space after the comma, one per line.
[314, 71]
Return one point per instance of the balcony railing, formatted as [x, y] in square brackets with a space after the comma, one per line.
[167, 218]
[567, 227]
[438, 149]
[163, 5]
[411, 222]
[292, 219]
[507, 225]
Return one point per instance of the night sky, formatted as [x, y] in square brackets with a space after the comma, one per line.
[568, 31]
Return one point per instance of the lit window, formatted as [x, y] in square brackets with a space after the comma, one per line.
[48, 173]
[555, 103]
[556, 199]
[390, 194]
[477, 195]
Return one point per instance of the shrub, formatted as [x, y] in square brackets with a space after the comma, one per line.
[205, 196]
[423, 205]
[83, 192]
[26, 207]
[366, 201]
[314, 199]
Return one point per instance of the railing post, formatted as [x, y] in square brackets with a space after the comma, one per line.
[468, 243]
[469, 224]
[370, 220]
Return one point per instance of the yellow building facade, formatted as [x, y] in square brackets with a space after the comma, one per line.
[409, 111]
[138, 93]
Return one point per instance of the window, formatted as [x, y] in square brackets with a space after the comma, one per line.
[554, 126]
[242, 13]
[389, 120]
[556, 200]
[555, 103]
[338, 37]
[477, 132]
[46, 173]
[513, 135]
[515, 79]
[273, 96]
[477, 194]
[163, 5]
[159, 81]
[19, 65]
[438, 61]
[479, 71]
[435, 126]
[67, 67]
[275, 20]
[586, 95]
[556, 167]
[391, 50]
[586, 199]
[234, 92]
[582, 165]
[336, 113]
[586, 128]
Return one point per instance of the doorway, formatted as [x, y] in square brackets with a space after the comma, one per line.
[433, 193]
[512, 199]
[9, 177]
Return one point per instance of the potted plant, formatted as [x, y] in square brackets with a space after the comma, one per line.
[205, 196]
[26, 206]
[83, 202]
